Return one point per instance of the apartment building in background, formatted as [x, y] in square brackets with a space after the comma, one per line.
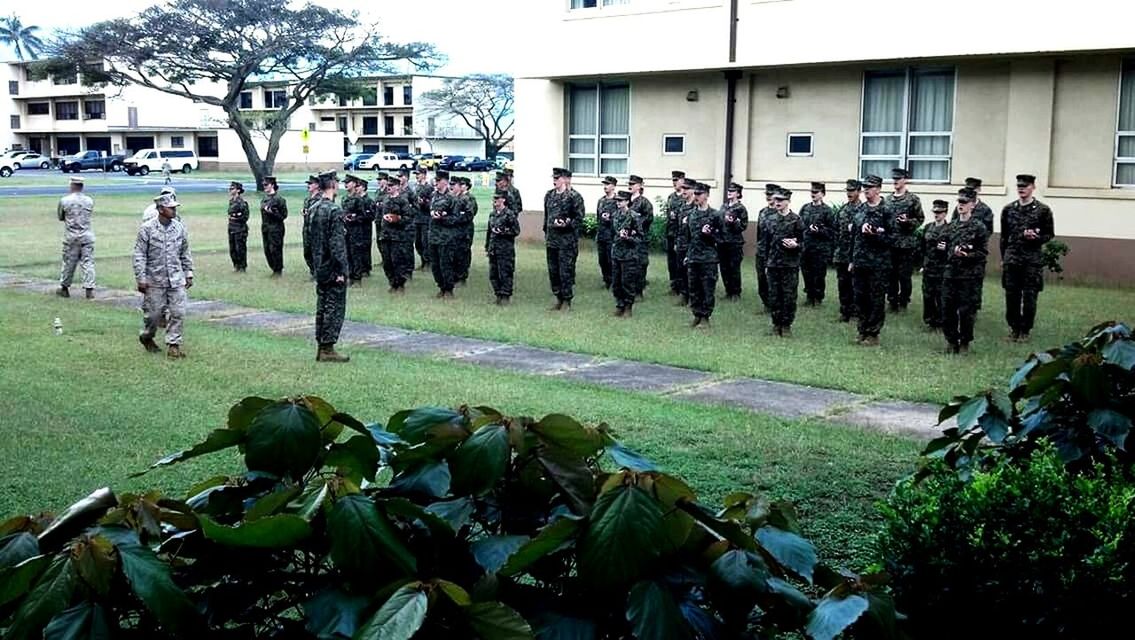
[59, 115]
[791, 91]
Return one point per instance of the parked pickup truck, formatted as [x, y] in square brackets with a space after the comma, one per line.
[90, 160]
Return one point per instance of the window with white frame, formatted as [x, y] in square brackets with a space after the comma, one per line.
[908, 121]
[599, 118]
[275, 98]
[594, 4]
[798, 144]
[177, 142]
[1125, 128]
[673, 144]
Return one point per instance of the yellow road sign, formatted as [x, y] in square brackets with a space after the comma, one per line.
[306, 135]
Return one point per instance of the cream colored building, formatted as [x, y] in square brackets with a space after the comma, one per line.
[825, 90]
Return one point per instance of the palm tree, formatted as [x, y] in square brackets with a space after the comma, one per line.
[22, 39]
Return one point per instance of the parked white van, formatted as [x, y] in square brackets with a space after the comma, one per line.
[386, 161]
[147, 160]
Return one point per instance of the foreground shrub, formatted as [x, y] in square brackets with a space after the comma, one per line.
[440, 524]
[1027, 549]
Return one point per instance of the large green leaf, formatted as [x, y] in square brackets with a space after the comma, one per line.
[624, 537]
[283, 440]
[792, 596]
[84, 621]
[400, 617]
[430, 479]
[549, 540]
[150, 580]
[971, 410]
[18, 580]
[456, 512]
[437, 525]
[994, 426]
[280, 531]
[1090, 382]
[833, 615]
[551, 625]
[242, 413]
[627, 459]
[791, 550]
[16, 548]
[428, 423]
[362, 537]
[315, 497]
[217, 440]
[333, 614]
[272, 503]
[563, 432]
[726, 529]
[358, 458]
[50, 595]
[76, 518]
[653, 614]
[572, 475]
[495, 621]
[1111, 425]
[492, 552]
[742, 571]
[1121, 353]
[480, 461]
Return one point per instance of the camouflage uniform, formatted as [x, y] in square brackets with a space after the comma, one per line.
[933, 271]
[329, 257]
[605, 235]
[273, 212]
[562, 242]
[762, 276]
[465, 247]
[818, 249]
[420, 196]
[624, 257]
[902, 251]
[443, 239]
[731, 249]
[871, 259]
[701, 258]
[396, 239]
[674, 266]
[782, 265]
[370, 210]
[309, 203]
[357, 220]
[163, 262]
[75, 211]
[984, 214]
[1022, 273]
[643, 208]
[513, 202]
[841, 258]
[681, 248]
[500, 246]
[238, 233]
[963, 279]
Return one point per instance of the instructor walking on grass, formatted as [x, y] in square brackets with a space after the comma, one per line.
[75, 211]
[163, 271]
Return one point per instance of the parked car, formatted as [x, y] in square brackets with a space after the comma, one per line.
[351, 162]
[449, 163]
[147, 160]
[12, 154]
[6, 168]
[473, 163]
[386, 161]
[428, 160]
[405, 157]
[85, 160]
[31, 161]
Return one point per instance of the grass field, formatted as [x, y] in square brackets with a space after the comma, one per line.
[822, 353]
[85, 409]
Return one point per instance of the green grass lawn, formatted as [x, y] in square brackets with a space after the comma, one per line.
[822, 352]
[85, 409]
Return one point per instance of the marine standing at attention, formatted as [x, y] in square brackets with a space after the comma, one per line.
[329, 255]
[238, 227]
[75, 211]
[273, 212]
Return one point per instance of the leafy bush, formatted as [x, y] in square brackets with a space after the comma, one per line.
[1029, 549]
[590, 226]
[1052, 255]
[1080, 397]
[440, 524]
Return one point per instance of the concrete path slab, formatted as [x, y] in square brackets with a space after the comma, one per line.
[363, 333]
[529, 360]
[894, 416]
[638, 376]
[263, 320]
[776, 398]
[436, 344]
[214, 308]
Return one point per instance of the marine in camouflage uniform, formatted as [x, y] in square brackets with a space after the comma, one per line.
[382, 181]
[357, 219]
[404, 188]
[420, 194]
[965, 272]
[703, 230]
[396, 237]
[682, 239]
[1026, 225]
[819, 244]
[563, 217]
[329, 256]
[628, 234]
[309, 202]
[872, 234]
[934, 243]
[500, 246]
[841, 259]
[784, 245]
[370, 212]
[906, 209]
[731, 249]
[75, 210]
[238, 227]
[468, 217]
[273, 212]
[983, 214]
[642, 207]
[443, 235]
[762, 216]
[604, 229]
[674, 203]
[163, 271]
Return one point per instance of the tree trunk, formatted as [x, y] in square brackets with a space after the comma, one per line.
[260, 167]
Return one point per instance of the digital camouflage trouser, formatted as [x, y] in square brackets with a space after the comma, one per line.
[603, 249]
[502, 266]
[330, 307]
[1023, 285]
[561, 270]
[814, 269]
[464, 257]
[80, 254]
[846, 290]
[624, 275]
[358, 250]
[730, 257]
[702, 283]
[644, 265]
[783, 284]
[871, 298]
[932, 300]
[273, 246]
[762, 281]
[396, 254]
[960, 297]
[441, 262]
[155, 302]
[307, 259]
[422, 241]
[902, 268]
[675, 269]
[238, 249]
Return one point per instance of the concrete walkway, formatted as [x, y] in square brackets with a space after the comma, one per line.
[762, 396]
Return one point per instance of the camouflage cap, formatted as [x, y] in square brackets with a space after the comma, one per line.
[167, 201]
[701, 187]
[501, 175]
[236, 185]
[623, 195]
[854, 185]
[421, 170]
[500, 194]
[872, 181]
[899, 173]
[783, 194]
[633, 179]
[566, 173]
[819, 186]
[76, 180]
[312, 179]
[733, 186]
[973, 183]
[382, 175]
[327, 179]
[557, 172]
[940, 206]
[611, 180]
[168, 189]
[442, 174]
[1025, 179]
[270, 180]
[509, 173]
[771, 188]
[676, 175]
[966, 194]
[404, 171]
[348, 179]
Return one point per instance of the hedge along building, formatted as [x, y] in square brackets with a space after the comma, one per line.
[791, 91]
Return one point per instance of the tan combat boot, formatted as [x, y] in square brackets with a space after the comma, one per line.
[327, 353]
